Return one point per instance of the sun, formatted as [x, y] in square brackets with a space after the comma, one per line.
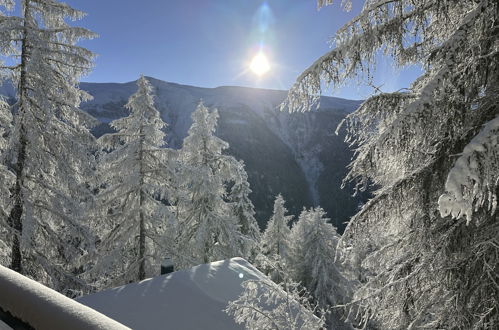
[259, 64]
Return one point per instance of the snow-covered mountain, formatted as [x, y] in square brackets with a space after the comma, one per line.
[297, 155]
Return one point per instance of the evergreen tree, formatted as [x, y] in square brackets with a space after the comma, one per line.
[50, 145]
[7, 179]
[313, 241]
[244, 211]
[422, 263]
[208, 230]
[275, 237]
[274, 245]
[264, 304]
[135, 181]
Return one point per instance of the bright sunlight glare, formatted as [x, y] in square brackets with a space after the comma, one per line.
[260, 65]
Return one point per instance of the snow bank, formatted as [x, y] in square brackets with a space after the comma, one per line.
[44, 308]
[188, 299]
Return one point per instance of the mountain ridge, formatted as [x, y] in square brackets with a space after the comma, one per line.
[297, 155]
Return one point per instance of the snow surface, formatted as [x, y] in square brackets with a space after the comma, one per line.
[187, 299]
[4, 326]
[44, 308]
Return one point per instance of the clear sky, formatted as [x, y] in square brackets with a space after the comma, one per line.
[210, 43]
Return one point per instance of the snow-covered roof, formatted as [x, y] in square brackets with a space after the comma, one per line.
[188, 299]
[44, 308]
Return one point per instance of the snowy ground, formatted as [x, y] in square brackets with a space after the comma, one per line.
[189, 299]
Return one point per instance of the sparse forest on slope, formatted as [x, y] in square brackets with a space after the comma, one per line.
[297, 155]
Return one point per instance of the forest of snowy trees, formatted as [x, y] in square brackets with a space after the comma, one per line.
[81, 214]
[424, 251]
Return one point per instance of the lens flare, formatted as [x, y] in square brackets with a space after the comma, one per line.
[260, 65]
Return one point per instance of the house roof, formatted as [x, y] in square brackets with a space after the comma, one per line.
[187, 299]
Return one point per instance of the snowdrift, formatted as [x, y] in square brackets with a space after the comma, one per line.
[188, 299]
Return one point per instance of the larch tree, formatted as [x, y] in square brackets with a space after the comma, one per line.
[312, 250]
[134, 180]
[275, 237]
[274, 244]
[427, 244]
[50, 144]
[244, 211]
[265, 304]
[208, 230]
[7, 179]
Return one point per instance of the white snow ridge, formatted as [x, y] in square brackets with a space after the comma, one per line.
[43, 308]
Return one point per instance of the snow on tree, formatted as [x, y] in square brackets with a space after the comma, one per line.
[275, 237]
[421, 263]
[207, 228]
[50, 144]
[7, 179]
[274, 242]
[244, 211]
[135, 183]
[473, 181]
[312, 249]
[266, 305]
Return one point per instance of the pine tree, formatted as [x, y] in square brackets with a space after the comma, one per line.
[135, 181]
[313, 241]
[208, 230]
[274, 245]
[264, 304]
[7, 179]
[426, 245]
[275, 237]
[244, 211]
[50, 143]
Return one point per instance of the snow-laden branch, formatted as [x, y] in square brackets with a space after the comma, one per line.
[473, 181]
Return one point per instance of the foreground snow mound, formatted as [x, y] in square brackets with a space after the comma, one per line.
[188, 299]
[44, 308]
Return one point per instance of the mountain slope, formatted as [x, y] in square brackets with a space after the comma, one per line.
[297, 155]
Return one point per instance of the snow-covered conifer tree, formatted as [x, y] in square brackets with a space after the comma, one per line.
[244, 211]
[135, 181]
[264, 305]
[49, 150]
[275, 237]
[274, 244]
[207, 228]
[427, 244]
[312, 250]
[6, 178]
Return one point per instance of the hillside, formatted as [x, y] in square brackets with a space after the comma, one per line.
[284, 153]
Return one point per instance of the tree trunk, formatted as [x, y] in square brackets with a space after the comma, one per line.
[142, 225]
[142, 239]
[15, 216]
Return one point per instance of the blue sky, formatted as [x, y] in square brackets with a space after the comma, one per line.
[209, 43]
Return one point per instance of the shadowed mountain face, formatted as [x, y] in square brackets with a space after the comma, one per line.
[297, 155]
